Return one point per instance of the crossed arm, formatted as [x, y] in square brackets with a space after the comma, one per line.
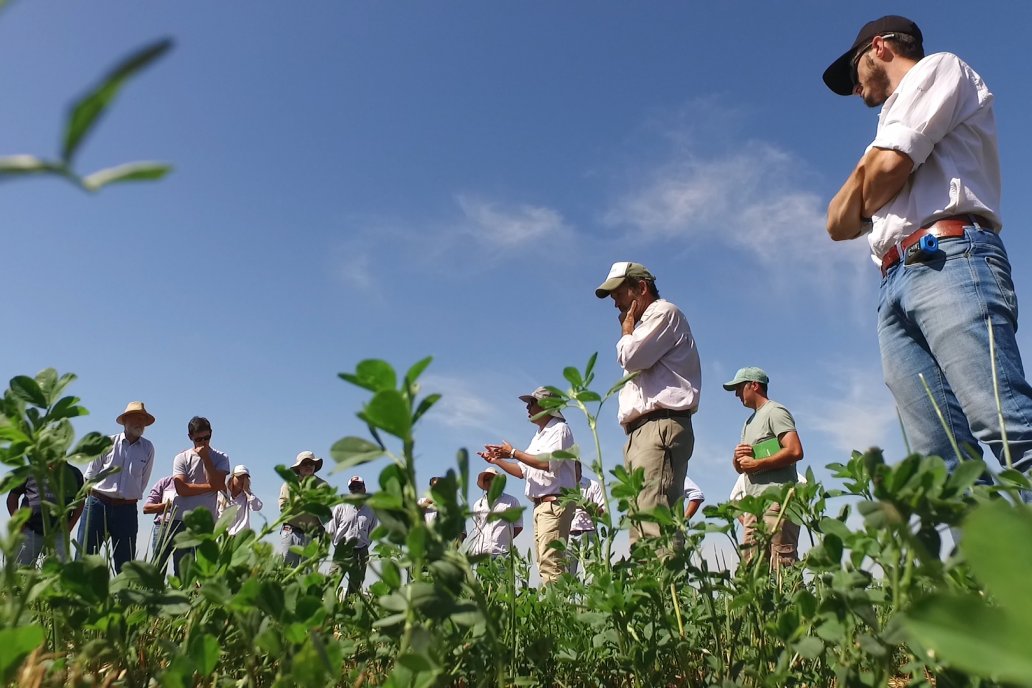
[876, 179]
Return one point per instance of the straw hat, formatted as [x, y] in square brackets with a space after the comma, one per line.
[135, 408]
[306, 456]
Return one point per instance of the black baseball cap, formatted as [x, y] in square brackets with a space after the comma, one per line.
[838, 76]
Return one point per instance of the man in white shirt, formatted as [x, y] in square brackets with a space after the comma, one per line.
[927, 195]
[546, 478]
[349, 530]
[656, 405]
[493, 538]
[198, 474]
[583, 535]
[110, 510]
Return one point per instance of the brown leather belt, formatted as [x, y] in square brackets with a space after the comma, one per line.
[947, 228]
[655, 415]
[113, 501]
[544, 498]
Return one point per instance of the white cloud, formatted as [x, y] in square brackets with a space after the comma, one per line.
[860, 412]
[510, 226]
[461, 405]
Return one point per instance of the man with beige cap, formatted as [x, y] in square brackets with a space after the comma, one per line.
[546, 477]
[766, 456]
[124, 473]
[299, 530]
[657, 404]
[493, 538]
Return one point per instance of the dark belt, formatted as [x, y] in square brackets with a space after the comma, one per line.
[581, 532]
[947, 228]
[113, 501]
[658, 414]
[544, 498]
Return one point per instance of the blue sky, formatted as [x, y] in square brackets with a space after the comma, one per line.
[389, 180]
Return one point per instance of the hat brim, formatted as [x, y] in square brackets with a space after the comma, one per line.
[608, 286]
[318, 465]
[148, 418]
[527, 398]
[838, 76]
[730, 386]
[480, 478]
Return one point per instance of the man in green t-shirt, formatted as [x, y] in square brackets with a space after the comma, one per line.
[769, 421]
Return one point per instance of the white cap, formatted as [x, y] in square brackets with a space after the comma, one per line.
[241, 469]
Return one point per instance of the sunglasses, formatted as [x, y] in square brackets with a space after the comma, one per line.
[202, 438]
[853, 72]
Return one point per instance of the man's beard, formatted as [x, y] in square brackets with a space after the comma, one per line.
[876, 90]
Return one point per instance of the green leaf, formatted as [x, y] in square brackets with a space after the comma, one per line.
[810, 647]
[510, 515]
[28, 390]
[92, 445]
[415, 371]
[204, 652]
[29, 164]
[495, 489]
[965, 475]
[372, 374]
[589, 369]
[425, 405]
[67, 407]
[354, 451]
[128, 172]
[997, 543]
[390, 574]
[969, 635]
[88, 109]
[388, 411]
[587, 397]
[620, 383]
[15, 645]
[573, 375]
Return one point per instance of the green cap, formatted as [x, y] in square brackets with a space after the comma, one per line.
[750, 374]
[618, 273]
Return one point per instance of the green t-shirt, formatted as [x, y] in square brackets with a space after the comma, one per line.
[770, 420]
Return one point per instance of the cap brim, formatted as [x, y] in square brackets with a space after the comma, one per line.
[527, 398]
[838, 76]
[730, 386]
[609, 285]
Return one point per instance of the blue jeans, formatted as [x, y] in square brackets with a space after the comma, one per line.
[932, 321]
[33, 545]
[117, 521]
[292, 537]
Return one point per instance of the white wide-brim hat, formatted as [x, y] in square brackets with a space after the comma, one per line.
[306, 456]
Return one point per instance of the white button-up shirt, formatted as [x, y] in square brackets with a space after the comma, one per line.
[692, 492]
[244, 504]
[561, 473]
[592, 491]
[662, 351]
[493, 538]
[941, 117]
[351, 522]
[135, 462]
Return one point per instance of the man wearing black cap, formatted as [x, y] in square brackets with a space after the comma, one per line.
[927, 195]
[656, 405]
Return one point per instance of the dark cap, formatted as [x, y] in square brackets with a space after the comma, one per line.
[838, 76]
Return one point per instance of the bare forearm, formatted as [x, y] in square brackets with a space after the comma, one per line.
[529, 459]
[846, 210]
[885, 174]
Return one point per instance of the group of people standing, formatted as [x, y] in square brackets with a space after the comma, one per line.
[926, 193]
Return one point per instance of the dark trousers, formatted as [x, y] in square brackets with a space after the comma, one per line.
[351, 561]
[101, 521]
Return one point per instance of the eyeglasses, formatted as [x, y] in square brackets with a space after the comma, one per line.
[853, 72]
[202, 438]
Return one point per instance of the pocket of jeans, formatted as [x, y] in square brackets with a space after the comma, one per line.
[1000, 270]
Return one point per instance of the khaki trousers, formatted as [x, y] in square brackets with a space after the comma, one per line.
[662, 447]
[784, 542]
[551, 522]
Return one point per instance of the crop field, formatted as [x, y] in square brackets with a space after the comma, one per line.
[880, 604]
